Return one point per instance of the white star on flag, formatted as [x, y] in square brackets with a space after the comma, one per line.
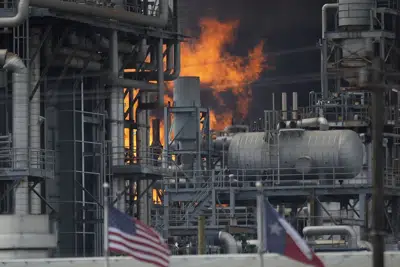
[275, 229]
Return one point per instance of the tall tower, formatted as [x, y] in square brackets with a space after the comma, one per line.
[362, 29]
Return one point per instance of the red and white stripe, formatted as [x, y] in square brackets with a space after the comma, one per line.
[146, 245]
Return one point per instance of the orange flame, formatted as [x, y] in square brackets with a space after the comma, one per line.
[208, 58]
[218, 69]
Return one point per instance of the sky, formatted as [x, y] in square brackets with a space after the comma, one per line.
[283, 25]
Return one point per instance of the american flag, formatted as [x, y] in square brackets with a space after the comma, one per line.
[131, 237]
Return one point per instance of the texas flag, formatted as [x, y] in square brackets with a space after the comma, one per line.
[281, 238]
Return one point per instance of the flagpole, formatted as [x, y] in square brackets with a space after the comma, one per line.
[105, 225]
[260, 222]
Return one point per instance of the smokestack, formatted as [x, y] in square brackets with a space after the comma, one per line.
[284, 106]
[156, 133]
[295, 106]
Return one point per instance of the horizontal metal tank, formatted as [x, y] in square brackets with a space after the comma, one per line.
[302, 152]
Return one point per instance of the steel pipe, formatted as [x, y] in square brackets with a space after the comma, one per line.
[333, 230]
[19, 18]
[20, 119]
[228, 242]
[173, 70]
[108, 13]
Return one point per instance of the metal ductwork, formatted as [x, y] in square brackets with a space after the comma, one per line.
[333, 230]
[107, 13]
[20, 17]
[229, 242]
[20, 105]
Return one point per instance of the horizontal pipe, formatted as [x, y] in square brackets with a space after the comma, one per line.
[333, 230]
[79, 63]
[107, 13]
[127, 83]
[19, 18]
[320, 122]
[80, 53]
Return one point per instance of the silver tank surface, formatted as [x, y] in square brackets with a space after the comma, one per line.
[355, 12]
[302, 152]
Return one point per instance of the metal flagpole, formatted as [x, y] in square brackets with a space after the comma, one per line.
[260, 222]
[105, 226]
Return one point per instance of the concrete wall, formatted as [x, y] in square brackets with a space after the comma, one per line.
[241, 260]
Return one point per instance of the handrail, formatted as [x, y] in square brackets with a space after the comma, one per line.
[27, 158]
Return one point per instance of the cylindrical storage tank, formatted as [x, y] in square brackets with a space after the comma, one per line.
[337, 153]
[355, 12]
[186, 94]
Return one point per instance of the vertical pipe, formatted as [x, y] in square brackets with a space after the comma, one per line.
[166, 139]
[295, 106]
[105, 225]
[116, 124]
[160, 72]
[260, 222]
[114, 68]
[201, 246]
[378, 204]
[284, 106]
[20, 136]
[324, 78]
[34, 121]
[83, 169]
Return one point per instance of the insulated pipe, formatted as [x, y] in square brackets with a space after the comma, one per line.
[19, 18]
[20, 104]
[228, 242]
[36, 158]
[295, 106]
[320, 122]
[79, 53]
[160, 72]
[20, 116]
[333, 230]
[324, 20]
[284, 106]
[114, 105]
[79, 63]
[128, 83]
[107, 13]
[116, 112]
[87, 43]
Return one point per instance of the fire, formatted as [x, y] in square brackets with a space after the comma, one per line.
[219, 121]
[208, 58]
[217, 68]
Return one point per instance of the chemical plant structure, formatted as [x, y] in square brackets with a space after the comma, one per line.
[63, 117]
[314, 162]
[66, 104]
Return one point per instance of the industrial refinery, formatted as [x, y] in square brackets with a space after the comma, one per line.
[83, 88]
